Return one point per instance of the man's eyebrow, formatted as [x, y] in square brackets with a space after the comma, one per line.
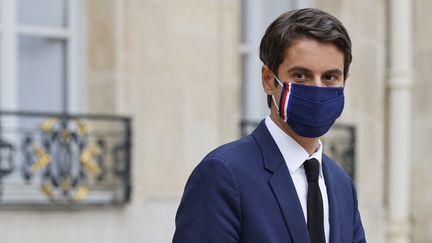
[299, 69]
[305, 70]
[334, 71]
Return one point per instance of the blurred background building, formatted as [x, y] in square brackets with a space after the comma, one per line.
[175, 79]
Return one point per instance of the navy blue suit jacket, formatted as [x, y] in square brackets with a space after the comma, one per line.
[243, 192]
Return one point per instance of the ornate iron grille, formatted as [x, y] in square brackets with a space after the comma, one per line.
[339, 144]
[64, 160]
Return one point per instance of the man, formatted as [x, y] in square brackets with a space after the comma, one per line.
[276, 185]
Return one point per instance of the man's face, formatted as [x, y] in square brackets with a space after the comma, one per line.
[310, 62]
[306, 62]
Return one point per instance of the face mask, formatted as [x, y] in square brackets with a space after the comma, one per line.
[309, 111]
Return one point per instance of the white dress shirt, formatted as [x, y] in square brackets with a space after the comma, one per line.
[294, 155]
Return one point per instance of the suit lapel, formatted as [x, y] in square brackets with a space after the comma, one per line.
[282, 185]
[335, 231]
[286, 195]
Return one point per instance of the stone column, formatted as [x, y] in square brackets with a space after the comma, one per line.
[399, 120]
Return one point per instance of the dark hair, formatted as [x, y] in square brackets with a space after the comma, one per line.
[307, 23]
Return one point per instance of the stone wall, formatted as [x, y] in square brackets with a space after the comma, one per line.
[174, 67]
[181, 84]
[421, 184]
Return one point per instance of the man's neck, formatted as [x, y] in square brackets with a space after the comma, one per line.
[311, 145]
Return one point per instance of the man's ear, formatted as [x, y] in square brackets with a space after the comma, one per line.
[267, 80]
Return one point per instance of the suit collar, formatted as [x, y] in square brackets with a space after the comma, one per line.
[293, 153]
[282, 185]
[272, 157]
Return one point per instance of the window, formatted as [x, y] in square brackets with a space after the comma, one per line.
[49, 155]
[40, 56]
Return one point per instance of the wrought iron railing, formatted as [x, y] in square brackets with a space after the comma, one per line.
[339, 143]
[63, 160]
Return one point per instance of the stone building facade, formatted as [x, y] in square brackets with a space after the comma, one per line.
[175, 68]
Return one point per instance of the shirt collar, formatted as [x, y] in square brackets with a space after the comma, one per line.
[293, 153]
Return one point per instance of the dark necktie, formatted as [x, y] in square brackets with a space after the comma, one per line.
[315, 212]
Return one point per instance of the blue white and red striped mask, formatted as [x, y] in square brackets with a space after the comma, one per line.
[310, 111]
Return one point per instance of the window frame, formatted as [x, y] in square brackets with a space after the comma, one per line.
[72, 34]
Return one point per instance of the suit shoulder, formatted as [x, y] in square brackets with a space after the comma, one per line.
[239, 148]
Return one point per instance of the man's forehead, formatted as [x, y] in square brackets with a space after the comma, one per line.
[311, 54]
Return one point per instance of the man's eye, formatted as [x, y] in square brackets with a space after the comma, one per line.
[329, 77]
[299, 76]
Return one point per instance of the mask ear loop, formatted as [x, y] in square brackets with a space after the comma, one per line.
[275, 103]
[280, 82]
[274, 99]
